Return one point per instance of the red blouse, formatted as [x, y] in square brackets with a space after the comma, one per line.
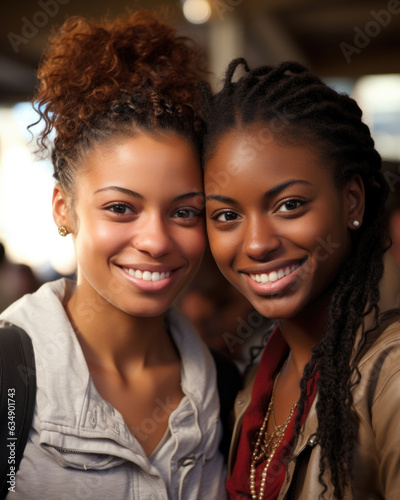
[238, 485]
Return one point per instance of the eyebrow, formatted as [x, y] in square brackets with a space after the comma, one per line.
[129, 192]
[271, 192]
[283, 186]
[219, 197]
[188, 195]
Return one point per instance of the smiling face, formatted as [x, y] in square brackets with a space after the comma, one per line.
[139, 232]
[278, 226]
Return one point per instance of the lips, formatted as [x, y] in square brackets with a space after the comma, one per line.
[273, 280]
[150, 279]
[147, 275]
[273, 275]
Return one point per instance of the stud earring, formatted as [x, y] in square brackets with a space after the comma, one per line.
[356, 223]
[62, 231]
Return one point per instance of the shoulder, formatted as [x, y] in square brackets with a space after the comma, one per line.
[42, 316]
[380, 364]
[37, 307]
[384, 349]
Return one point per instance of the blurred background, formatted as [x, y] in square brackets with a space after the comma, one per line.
[354, 45]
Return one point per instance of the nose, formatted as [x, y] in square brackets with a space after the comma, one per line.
[153, 237]
[260, 238]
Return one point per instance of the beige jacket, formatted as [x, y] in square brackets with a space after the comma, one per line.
[377, 412]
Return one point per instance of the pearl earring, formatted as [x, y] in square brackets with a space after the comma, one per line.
[62, 231]
[356, 223]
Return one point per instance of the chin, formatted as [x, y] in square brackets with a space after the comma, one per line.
[276, 308]
[148, 310]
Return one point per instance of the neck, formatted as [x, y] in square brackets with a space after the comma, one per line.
[304, 332]
[116, 341]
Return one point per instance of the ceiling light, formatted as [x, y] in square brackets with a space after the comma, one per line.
[197, 11]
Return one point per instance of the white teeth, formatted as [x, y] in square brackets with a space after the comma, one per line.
[147, 275]
[273, 275]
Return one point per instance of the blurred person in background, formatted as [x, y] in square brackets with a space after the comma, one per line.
[391, 171]
[15, 280]
[394, 231]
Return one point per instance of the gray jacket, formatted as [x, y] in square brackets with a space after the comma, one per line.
[79, 446]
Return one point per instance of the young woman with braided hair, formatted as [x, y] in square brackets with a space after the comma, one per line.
[127, 405]
[294, 204]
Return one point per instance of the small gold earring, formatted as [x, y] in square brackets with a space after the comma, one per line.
[62, 231]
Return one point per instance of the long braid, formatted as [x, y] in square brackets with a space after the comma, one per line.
[311, 113]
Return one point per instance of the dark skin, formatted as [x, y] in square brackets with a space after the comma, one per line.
[280, 229]
[138, 243]
[287, 391]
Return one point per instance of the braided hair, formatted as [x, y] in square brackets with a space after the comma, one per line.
[99, 79]
[305, 111]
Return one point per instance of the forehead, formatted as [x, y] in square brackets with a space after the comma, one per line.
[258, 156]
[140, 160]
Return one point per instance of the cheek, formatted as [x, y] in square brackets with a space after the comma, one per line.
[317, 229]
[329, 244]
[193, 245]
[224, 245]
[217, 247]
[100, 238]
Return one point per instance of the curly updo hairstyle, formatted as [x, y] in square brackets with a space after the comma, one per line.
[124, 76]
[300, 109]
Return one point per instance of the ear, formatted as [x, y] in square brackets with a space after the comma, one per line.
[355, 199]
[61, 214]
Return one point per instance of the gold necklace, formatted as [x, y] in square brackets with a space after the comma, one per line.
[266, 445]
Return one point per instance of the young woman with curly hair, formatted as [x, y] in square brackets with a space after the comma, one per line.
[126, 403]
[294, 202]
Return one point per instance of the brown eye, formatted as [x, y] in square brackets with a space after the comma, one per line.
[227, 216]
[290, 205]
[186, 213]
[120, 208]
